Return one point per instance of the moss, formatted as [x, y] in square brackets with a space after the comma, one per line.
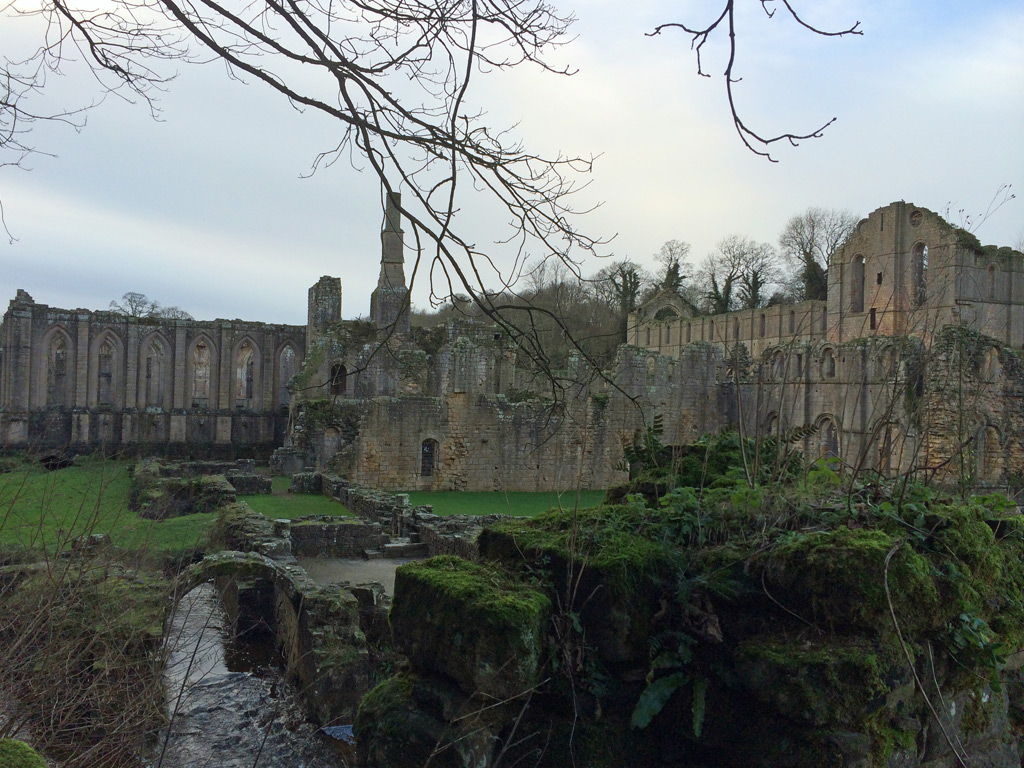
[977, 717]
[484, 594]
[835, 682]
[18, 754]
[968, 240]
[836, 579]
[887, 739]
[610, 540]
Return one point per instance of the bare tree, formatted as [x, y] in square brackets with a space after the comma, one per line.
[174, 313]
[738, 275]
[398, 78]
[135, 304]
[671, 256]
[808, 241]
[699, 35]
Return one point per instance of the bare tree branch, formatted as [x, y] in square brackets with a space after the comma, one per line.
[753, 140]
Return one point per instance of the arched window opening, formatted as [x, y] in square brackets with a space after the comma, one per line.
[824, 319]
[919, 266]
[991, 281]
[154, 388]
[712, 329]
[201, 375]
[285, 371]
[888, 364]
[648, 342]
[668, 334]
[428, 457]
[689, 332]
[792, 321]
[828, 364]
[857, 285]
[828, 436]
[736, 329]
[763, 327]
[339, 379]
[245, 372]
[105, 393]
[778, 366]
[56, 372]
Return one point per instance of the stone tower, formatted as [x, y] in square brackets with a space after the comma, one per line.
[323, 308]
[389, 302]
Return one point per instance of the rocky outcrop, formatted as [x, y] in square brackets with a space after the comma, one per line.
[732, 629]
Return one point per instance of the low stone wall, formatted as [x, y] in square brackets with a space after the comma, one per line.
[391, 513]
[307, 482]
[200, 468]
[331, 537]
[250, 485]
[456, 535]
[316, 629]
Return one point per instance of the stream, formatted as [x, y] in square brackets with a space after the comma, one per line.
[230, 705]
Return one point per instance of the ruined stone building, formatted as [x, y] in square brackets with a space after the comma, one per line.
[102, 379]
[911, 364]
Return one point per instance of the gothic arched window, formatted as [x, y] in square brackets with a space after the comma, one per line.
[153, 390]
[201, 372]
[285, 371]
[428, 457]
[857, 284]
[105, 390]
[919, 270]
[339, 379]
[245, 369]
[57, 372]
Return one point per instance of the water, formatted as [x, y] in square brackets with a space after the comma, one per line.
[231, 710]
[331, 570]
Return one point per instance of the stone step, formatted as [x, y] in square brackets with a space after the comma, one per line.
[373, 554]
[405, 549]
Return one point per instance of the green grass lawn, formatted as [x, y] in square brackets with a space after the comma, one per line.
[40, 508]
[294, 504]
[518, 503]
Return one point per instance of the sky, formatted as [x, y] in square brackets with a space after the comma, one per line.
[211, 207]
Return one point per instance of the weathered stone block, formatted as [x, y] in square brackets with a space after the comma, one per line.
[307, 482]
[471, 623]
[411, 720]
[250, 484]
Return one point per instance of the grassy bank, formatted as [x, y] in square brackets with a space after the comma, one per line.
[499, 503]
[41, 509]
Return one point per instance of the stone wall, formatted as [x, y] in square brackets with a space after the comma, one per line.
[333, 537]
[104, 380]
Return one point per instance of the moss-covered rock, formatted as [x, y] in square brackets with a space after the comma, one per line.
[471, 623]
[836, 579]
[18, 754]
[410, 721]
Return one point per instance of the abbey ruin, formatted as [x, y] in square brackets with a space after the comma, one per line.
[912, 364]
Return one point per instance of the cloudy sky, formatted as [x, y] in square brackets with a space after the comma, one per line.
[209, 207]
